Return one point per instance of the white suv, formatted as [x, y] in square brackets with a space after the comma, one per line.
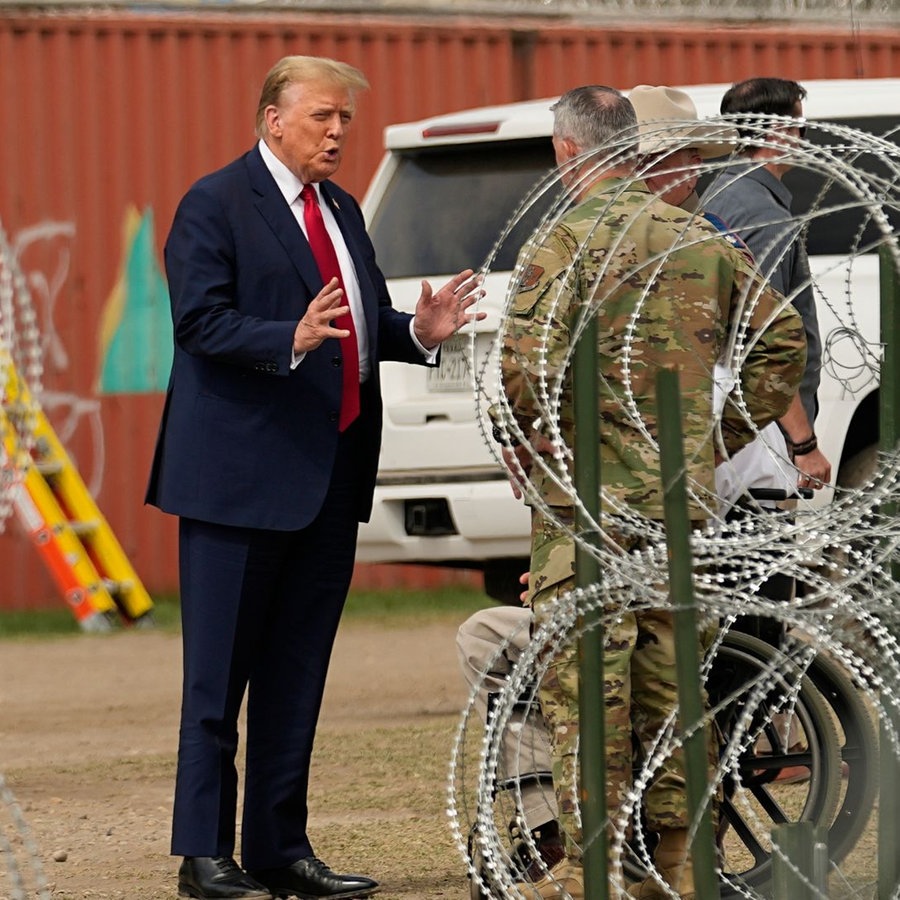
[441, 197]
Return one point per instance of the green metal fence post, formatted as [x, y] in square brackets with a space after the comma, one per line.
[687, 641]
[800, 869]
[889, 435]
[592, 732]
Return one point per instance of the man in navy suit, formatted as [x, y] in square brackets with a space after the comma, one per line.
[269, 478]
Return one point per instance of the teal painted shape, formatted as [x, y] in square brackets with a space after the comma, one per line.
[139, 356]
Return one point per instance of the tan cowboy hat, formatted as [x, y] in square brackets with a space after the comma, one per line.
[664, 118]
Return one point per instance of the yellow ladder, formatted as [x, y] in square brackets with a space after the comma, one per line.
[62, 519]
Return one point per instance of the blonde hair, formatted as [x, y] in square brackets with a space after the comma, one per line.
[300, 70]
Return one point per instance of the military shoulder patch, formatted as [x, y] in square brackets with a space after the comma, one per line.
[531, 277]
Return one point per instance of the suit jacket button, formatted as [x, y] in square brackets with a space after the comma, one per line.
[336, 361]
[332, 417]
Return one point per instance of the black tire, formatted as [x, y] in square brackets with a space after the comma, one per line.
[501, 579]
[859, 469]
[858, 742]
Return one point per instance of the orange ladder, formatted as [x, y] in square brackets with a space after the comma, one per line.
[55, 508]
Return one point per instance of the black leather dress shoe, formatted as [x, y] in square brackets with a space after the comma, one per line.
[217, 878]
[310, 879]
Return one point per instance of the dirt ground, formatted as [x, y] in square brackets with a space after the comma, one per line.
[88, 740]
[87, 746]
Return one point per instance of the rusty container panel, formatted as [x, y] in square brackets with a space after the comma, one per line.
[563, 57]
[107, 118]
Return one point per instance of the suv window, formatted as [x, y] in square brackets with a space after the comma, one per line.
[838, 232]
[449, 204]
[446, 206]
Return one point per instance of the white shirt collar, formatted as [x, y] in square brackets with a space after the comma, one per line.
[288, 183]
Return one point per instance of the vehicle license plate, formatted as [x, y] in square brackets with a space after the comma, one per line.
[454, 372]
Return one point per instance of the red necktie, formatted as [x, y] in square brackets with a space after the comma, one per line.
[327, 261]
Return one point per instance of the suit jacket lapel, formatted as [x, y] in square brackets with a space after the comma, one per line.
[366, 288]
[277, 214]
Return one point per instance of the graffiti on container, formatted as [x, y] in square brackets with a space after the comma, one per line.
[135, 333]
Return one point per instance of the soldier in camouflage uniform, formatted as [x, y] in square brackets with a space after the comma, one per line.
[668, 281]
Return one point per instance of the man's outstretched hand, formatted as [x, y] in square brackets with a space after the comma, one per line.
[442, 313]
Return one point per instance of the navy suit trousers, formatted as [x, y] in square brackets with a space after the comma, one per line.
[260, 610]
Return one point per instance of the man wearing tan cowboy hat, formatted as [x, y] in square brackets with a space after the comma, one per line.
[671, 157]
[674, 142]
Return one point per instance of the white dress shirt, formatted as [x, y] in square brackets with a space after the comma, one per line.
[291, 186]
[763, 463]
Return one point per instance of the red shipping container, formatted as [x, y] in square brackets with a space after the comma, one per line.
[108, 117]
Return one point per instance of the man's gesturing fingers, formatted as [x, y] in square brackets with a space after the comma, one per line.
[315, 326]
[442, 313]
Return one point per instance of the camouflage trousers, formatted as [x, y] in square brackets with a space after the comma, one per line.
[640, 692]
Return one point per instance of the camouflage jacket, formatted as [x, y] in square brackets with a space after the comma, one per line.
[667, 290]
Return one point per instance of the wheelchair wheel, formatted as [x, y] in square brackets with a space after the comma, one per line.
[858, 741]
[755, 796]
[758, 797]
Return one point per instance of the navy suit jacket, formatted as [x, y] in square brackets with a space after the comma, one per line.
[244, 439]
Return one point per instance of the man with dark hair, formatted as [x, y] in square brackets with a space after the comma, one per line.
[751, 198]
[762, 96]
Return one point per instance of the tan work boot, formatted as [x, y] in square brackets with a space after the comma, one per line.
[672, 859]
[565, 879]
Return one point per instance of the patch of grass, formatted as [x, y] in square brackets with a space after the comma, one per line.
[43, 623]
[384, 605]
[37, 623]
[455, 602]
